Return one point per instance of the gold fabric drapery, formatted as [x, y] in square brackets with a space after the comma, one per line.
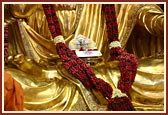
[29, 34]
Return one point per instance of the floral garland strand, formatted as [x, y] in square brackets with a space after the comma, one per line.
[127, 62]
[79, 69]
[52, 20]
[75, 65]
[6, 42]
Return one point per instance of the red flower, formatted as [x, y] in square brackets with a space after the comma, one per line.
[123, 103]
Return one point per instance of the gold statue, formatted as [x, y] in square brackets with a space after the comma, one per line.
[48, 86]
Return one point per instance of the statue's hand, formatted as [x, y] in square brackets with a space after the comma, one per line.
[29, 66]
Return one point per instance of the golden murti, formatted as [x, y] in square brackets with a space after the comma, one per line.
[32, 59]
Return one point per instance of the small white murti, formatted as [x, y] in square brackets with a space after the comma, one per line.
[84, 47]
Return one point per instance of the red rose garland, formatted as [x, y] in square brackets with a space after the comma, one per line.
[6, 41]
[75, 65]
[79, 69]
[52, 19]
[127, 62]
